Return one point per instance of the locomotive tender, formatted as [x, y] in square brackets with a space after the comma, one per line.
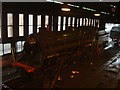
[40, 49]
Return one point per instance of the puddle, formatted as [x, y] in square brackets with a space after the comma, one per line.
[114, 67]
[72, 76]
[74, 73]
[59, 78]
[117, 63]
[112, 70]
[111, 66]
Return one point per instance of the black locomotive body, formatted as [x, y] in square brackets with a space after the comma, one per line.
[45, 49]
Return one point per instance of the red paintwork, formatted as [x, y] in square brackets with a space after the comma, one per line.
[28, 68]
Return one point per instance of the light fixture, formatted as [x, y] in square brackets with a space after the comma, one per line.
[96, 14]
[73, 5]
[70, 5]
[100, 0]
[49, 0]
[58, 2]
[65, 9]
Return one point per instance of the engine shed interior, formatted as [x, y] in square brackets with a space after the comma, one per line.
[60, 44]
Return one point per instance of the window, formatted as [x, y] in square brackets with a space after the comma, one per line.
[0, 32]
[7, 48]
[19, 46]
[21, 25]
[89, 22]
[0, 24]
[1, 49]
[30, 24]
[22, 46]
[10, 25]
[69, 19]
[98, 21]
[52, 24]
[46, 20]
[64, 22]
[80, 21]
[77, 22]
[86, 21]
[92, 22]
[73, 22]
[59, 22]
[38, 22]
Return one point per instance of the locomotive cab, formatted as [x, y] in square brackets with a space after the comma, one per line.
[31, 60]
[31, 45]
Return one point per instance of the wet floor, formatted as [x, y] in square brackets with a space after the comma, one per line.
[95, 72]
[100, 72]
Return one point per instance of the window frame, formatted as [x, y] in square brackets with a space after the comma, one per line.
[30, 24]
[10, 22]
[21, 25]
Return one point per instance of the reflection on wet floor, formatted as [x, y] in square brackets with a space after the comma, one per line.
[96, 72]
[73, 74]
[117, 63]
[112, 72]
[114, 64]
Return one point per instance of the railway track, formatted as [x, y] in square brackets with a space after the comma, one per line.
[22, 82]
[45, 81]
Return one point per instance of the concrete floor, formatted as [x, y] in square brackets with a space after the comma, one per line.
[90, 74]
[97, 72]
[102, 71]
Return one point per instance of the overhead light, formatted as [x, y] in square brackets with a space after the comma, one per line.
[93, 10]
[70, 5]
[65, 9]
[100, 0]
[58, 2]
[113, 6]
[88, 9]
[55, 1]
[49, 0]
[84, 8]
[76, 6]
[103, 12]
[96, 14]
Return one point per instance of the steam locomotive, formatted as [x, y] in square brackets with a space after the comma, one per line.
[46, 48]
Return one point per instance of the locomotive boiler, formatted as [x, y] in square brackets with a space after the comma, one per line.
[47, 47]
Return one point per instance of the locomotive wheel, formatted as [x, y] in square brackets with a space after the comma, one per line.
[27, 75]
[38, 73]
